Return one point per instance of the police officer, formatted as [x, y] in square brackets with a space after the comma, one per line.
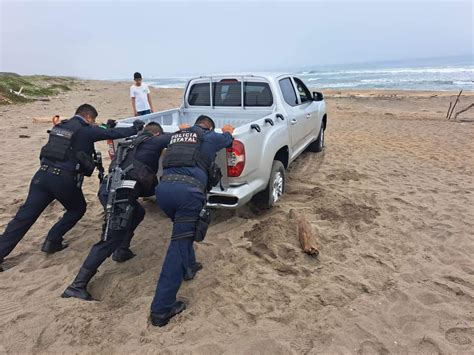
[181, 194]
[145, 149]
[65, 159]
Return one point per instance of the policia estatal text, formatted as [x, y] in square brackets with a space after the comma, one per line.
[65, 160]
[132, 174]
[189, 172]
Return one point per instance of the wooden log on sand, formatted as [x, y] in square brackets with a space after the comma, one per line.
[463, 110]
[454, 106]
[305, 234]
[51, 120]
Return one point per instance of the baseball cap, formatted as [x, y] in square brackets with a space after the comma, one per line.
[137, 75]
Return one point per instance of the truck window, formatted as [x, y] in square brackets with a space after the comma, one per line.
[288, 92]
[227, 93]
[257, 94]
[199, 95]
[303, 91]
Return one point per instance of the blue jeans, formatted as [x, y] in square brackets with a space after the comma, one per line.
[141, 113]
[176, 200]
[44, 189]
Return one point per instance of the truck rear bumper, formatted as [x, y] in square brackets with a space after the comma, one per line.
[231, 197]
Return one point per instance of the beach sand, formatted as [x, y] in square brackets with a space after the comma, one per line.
[392, 203]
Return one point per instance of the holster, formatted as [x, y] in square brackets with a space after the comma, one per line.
[86, 162]
[201, 226]
[214, 176]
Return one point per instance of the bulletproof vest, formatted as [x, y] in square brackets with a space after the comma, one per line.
[131, 167]
[60, 142]
[184, 150]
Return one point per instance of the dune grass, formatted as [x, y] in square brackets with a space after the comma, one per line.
[35, 87]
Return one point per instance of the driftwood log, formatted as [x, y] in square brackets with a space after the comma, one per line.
[454, 106]
[305, 234]
[463, 110]
[51, 120]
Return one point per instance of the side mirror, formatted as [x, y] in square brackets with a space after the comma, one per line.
[318, 96]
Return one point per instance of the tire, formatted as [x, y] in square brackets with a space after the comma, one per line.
[318, 145]
[275, 188]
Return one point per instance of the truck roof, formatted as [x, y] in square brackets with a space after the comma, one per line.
[265, 75]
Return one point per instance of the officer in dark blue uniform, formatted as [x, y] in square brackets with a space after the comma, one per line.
[147, 148]
[65, 159]
[187, 170]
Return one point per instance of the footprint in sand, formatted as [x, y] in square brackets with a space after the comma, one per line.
[372, 347]
[460, 336]
[427, 346]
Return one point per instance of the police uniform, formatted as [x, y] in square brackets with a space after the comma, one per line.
[117, 241]
[59, 178]
[181, 194]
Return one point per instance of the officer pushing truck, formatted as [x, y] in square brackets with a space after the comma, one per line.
[65, 160]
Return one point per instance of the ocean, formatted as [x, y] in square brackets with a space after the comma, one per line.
[415, 75]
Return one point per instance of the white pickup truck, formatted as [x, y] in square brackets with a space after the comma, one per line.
[275, 118]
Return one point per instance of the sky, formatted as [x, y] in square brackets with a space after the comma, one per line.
[113, 39]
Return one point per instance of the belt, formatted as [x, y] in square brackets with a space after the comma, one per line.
[185, 179]
[57, 171]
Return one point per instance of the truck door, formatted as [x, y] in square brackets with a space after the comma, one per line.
[294, 112]
[309, 111]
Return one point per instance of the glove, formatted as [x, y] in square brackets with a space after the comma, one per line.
[138, 124]
[111, 123]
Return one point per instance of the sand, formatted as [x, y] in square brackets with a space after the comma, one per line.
[391, 200]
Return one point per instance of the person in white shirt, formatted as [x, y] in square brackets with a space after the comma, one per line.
[140, 95]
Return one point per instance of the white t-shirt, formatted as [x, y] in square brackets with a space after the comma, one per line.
[140, 94]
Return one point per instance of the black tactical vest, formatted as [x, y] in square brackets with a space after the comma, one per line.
[131, 167]
[184, 150]
[60, 142]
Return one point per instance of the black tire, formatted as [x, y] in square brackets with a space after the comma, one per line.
[318, 145]
[275, 188]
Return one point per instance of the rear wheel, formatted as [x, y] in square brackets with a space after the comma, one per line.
[275, 188]
[318, 144]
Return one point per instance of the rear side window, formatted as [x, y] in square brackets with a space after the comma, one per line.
[199, 95]
[227, 93]
[288, 92]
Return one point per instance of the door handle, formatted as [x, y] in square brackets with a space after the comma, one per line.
[293, 121]
[308, 115]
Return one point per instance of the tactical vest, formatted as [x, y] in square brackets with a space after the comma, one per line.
[133, 168]
[184, 150]
[61, 140]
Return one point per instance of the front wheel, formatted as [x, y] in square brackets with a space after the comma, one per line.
[275, 188]
[318, 145]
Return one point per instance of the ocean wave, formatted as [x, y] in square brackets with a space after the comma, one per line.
[430, 70]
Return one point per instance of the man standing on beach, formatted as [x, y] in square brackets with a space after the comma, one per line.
[65, 160]
[140, 95]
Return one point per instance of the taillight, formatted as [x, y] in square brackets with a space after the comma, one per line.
[111, 148]
[235, 159]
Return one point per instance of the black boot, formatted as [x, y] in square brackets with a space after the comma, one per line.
[51, 248]
[78, 288]
[122, 254]
[160, 320]
[192, 271]
[1, 267]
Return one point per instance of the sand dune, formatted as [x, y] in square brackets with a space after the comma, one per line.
[391, 200]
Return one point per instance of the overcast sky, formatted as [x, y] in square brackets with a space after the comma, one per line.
[107, 40]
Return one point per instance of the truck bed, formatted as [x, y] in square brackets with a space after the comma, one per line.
[171, 119]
